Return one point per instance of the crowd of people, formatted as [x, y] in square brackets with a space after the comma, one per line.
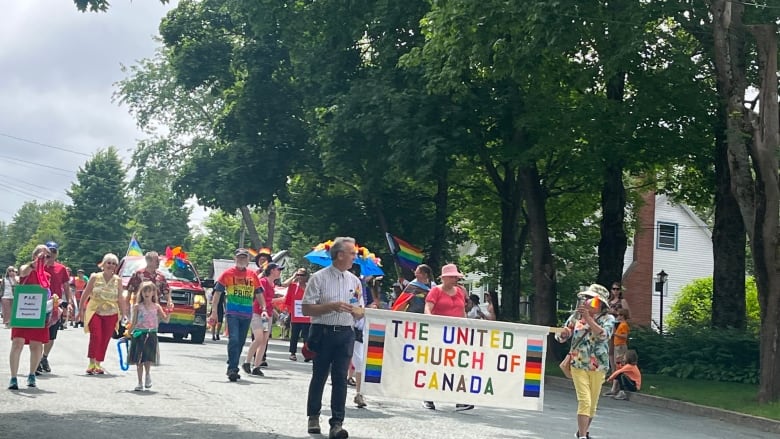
[325, 310]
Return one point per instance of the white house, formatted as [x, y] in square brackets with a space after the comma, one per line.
[680, 245]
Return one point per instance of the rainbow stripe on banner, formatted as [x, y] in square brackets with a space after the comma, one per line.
[408, 255]
[533, 368]
[375, 353]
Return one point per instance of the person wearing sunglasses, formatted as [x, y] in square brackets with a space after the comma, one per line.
[30, 274]
[101, 304]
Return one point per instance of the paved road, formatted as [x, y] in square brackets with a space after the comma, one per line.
[191, 398]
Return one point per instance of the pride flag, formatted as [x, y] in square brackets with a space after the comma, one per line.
[134, 249]
[408, 256]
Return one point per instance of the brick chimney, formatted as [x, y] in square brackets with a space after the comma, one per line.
[638, 278]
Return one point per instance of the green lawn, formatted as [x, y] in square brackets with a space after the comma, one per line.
[730, 396]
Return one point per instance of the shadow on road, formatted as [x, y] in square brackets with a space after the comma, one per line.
[84, 424]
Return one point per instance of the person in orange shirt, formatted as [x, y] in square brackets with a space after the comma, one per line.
[627, 378]
[620, 338]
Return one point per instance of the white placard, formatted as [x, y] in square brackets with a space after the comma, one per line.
[29, 306]
[298, 308]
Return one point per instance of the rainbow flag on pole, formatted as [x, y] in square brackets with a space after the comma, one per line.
[134, 249]
[408, 256]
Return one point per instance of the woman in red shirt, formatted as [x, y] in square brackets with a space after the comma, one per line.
[447, 299]
[261, 321]
[30, 274]
[293, 299]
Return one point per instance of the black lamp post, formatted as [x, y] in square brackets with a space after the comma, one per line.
[659, 286]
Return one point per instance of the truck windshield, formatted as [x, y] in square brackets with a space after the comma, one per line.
[186, 273]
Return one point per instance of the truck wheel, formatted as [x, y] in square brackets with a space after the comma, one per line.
[197, 336]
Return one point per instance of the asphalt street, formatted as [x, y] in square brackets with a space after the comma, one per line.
[192, 398]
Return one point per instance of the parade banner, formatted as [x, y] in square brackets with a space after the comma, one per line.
[462, 361]
[29, 307]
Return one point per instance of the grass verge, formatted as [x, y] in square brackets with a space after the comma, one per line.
[729, 396]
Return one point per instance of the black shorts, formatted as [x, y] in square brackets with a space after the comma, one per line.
[53, 329]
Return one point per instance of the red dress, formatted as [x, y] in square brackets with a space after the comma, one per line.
[33, 334]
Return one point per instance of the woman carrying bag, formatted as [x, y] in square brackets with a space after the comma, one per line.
[590, 328]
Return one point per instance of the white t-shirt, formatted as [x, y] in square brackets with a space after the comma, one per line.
[8, 290]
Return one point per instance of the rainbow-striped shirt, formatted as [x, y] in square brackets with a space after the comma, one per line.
[239, 287]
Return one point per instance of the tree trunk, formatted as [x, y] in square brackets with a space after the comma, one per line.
[754, 171]
[440, 200]
[613, 242]
[728, 242]
[510, 195]
[766, 229]
[544, 299]
[250, 227]
[271, 225]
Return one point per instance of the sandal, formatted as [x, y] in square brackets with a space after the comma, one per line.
[351, 382]
[293, 357]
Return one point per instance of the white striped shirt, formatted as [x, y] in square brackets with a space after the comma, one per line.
[333, 285]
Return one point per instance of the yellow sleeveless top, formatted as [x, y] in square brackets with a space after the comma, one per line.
[103, 299]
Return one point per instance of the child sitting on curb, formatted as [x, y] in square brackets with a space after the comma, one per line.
[626, 378]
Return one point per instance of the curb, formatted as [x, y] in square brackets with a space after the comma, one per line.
[741, 419]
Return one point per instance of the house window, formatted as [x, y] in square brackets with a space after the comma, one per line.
[667, 236]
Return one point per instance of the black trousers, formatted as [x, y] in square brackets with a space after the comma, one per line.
[334, 353]
[626, 383]
[296, 331]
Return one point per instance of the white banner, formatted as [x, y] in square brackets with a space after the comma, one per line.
[462, 361]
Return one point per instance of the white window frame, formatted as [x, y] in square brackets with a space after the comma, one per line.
[663, 246]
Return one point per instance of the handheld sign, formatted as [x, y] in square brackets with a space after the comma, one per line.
[29, 307]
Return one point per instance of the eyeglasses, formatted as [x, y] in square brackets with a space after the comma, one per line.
[110, 263]
[616, 289]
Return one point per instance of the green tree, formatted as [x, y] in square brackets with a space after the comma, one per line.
[693, 306]
[159, 216]
[218, 240]
[49, 229]
[96, 222]
[21, 228]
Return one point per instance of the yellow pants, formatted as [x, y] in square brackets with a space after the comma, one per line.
[587, 384]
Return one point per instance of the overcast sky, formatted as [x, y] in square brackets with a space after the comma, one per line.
[57, 70]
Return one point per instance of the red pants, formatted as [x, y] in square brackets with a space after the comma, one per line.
[100, 330]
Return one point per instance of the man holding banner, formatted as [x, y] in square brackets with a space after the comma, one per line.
[332, 299]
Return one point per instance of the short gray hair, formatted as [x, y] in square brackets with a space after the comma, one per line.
[109, 257]
[338, 245]
[152, 255]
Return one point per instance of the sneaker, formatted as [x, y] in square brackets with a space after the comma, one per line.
[577, 435]
[39, 370]
[247, 368]
[257, 372]
[360, 401]
[264, 364]
[31, 380]
[351, 382]
[621, 395]
[336, 432]
[139, 387]
[463, 407]
[429, 405]
[293, 357]
[609, 393]
[13, 384]
[233, 375]
[45, 364]
[313, 426]
[148, 382]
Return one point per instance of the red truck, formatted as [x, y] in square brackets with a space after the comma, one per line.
[187, 293]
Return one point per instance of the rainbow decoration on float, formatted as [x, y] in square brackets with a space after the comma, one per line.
[532, 385]
[376, 352]
[184, 317]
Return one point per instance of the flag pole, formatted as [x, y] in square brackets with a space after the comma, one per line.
[392, 246]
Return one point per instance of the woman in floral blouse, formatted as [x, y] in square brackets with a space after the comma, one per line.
[590, 329]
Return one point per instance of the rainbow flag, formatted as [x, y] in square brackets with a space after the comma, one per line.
[134, 249]
[408, 256]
